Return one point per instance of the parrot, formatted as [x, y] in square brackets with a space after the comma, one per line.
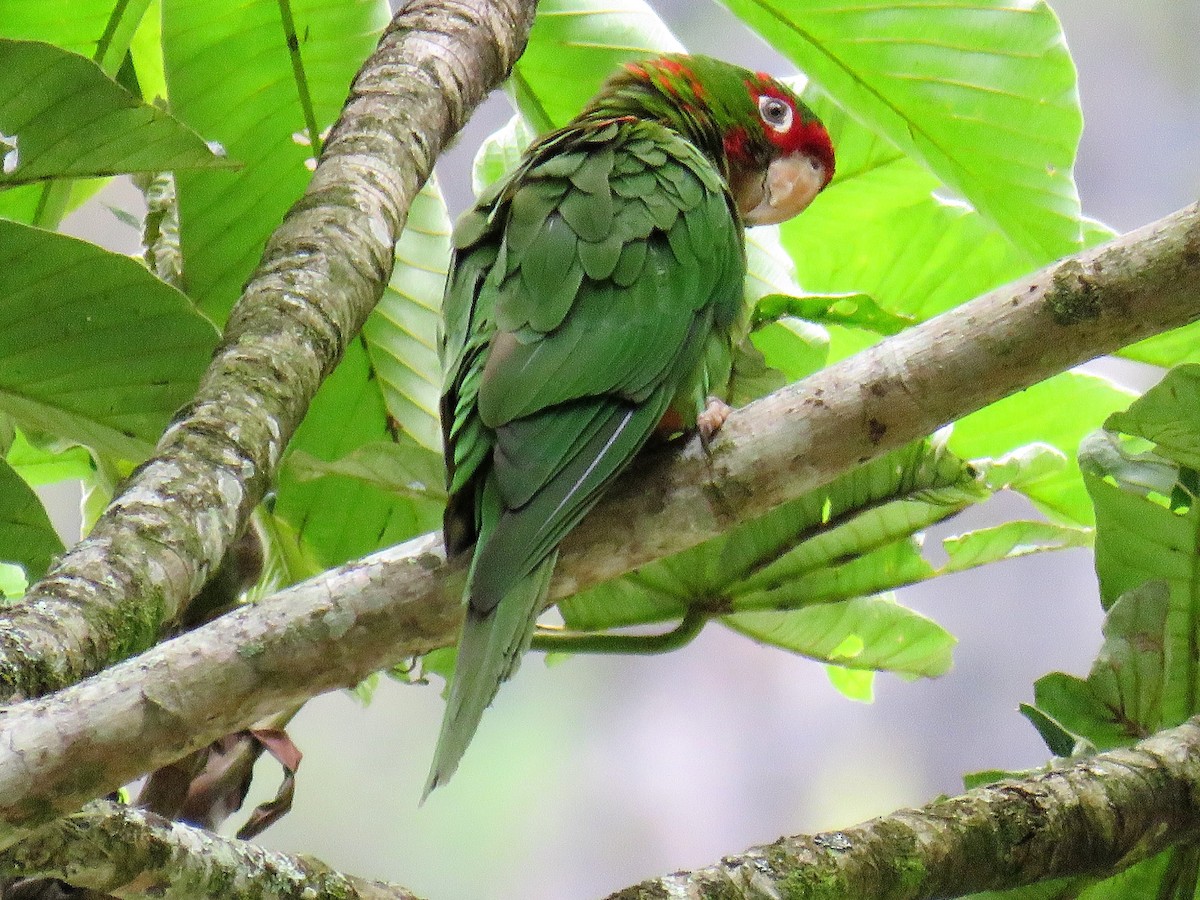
[593, 301]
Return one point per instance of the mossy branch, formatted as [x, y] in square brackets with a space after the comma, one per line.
[58, 752]
[133, 854]
[1089, 819]
[1093, 818]
[321, 273]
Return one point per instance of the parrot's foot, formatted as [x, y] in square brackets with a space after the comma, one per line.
[710, 421]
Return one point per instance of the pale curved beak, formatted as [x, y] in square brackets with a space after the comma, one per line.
[789, 185]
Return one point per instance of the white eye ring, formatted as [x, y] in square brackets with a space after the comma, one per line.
[776, 113]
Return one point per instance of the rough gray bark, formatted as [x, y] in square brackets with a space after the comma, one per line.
[126, 852]
[1094, 818]
[1091, 819]
[58, 752]
[321, 273]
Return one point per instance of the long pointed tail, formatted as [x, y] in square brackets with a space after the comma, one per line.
[489, 652]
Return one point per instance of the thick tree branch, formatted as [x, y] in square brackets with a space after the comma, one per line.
[322, 272]
[1094, 818]
[58, 752]
[130, 853]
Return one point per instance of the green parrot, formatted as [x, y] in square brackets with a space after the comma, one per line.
[593, 300]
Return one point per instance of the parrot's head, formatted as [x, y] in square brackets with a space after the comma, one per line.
[774, 152]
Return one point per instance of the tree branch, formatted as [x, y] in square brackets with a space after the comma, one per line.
[1094, 818]
[58, 752]
[321, 273]
[130, 853]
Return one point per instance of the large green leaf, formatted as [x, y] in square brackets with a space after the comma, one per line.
[230, 76]
[1058, 412]
[93, 348]
[339, 517]
[1147, 535]
[401, 333]
[400, 467]
[1180, 345]
[872, 633]
[1121, 699]
[1143, 537]
[61, 116]
[574, 46]
[879, 229]
[984, 93]
[846, 540]
[1173, 424]
[77, 25]
[46, 465]
[383, 394]
[26, 535]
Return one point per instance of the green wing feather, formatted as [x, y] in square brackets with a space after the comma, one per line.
[589, 292]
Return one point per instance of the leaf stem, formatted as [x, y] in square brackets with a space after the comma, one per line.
[563, 641]
[293, 44]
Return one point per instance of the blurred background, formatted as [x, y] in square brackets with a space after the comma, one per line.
[598, 772]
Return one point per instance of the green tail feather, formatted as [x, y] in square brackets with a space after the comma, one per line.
[489, 652]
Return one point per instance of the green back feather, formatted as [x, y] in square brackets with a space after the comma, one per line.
[589, 291]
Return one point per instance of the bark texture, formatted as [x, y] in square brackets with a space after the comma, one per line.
[58, 752]
[126, 852]
[1090, 819]
[321, 273]
[1094, 818]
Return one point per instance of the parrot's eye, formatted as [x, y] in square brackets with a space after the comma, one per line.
[775, 112]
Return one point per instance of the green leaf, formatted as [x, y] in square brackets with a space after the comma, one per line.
[1169, 875]
[404, 468]
[1022, 467]
[1071, 696]
[80, 26]
[794, 347]
[880, 230]
[1121, 700]
[146, 51]
[93, 348]
[1060, 412]
[26, 536]
[1058, 889]
[401, 332]
[573, 47]
[13, 583]
[46, 92]
[845, 540]
[982, 93]
[500, 153]
[230, 76]
[1009, 540]
[853, 684]
[1142, 539]
[850, 310]
[384, 392]
[1180, 345]
[287, 559]
[883, 635]
[38, 464]
[1169, 415]
[338, 517]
